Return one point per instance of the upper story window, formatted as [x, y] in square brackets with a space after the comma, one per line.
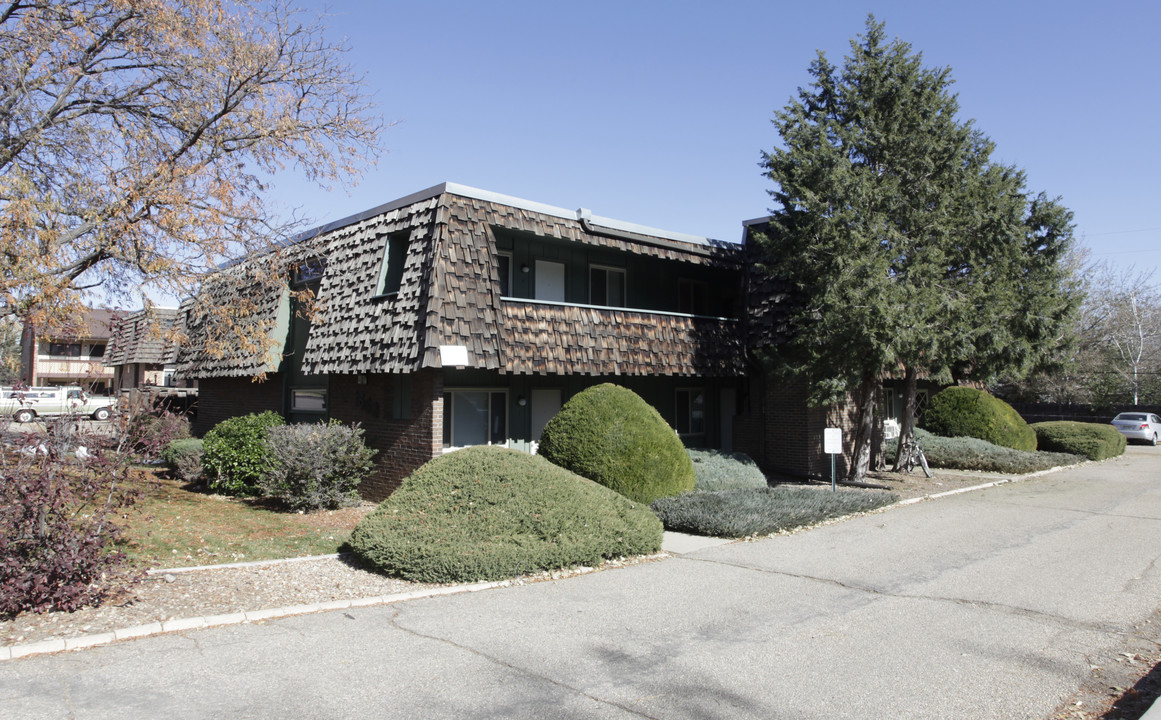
[504, 271]
[394, 257]
[97, 350]
[606, 286]
[309, 271]
[691, 297]
[58, 349]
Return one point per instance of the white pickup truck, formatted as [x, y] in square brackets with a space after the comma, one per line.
[25, 405]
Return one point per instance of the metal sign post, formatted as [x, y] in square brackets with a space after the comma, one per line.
[832, 444]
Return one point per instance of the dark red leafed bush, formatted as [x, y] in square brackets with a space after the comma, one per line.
[58, 511]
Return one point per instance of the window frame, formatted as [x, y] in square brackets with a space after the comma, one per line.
[395, 248]
[698, 296]
[449, 431]
[504, 281]
[54, 345]
[305, 391]
[690, 392]
[607, 270]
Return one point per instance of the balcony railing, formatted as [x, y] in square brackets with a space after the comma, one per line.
[559, 338]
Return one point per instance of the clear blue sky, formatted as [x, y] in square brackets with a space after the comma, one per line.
[656, 112]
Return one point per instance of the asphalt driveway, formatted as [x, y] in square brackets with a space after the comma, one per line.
[989, 604]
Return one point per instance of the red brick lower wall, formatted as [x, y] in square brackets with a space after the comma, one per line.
[403, 444]
[784, 434]
[223, 398]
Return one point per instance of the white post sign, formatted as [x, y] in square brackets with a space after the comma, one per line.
[832, 444]
[832, 441]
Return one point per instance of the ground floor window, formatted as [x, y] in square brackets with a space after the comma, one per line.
[690, 418]
[474, 417]
[308, 400]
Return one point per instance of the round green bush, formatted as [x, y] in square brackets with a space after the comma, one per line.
[234, 456]
[608, 434]
[1093, 440]
[488, 513]
[967, 412]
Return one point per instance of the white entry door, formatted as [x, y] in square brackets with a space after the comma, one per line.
[549, 281]
[545, 404]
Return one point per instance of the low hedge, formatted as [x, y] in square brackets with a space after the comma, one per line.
[967, 412]
[720, 470]
[761, 511]
[1093, 440]
[963, 453]
[488, 513]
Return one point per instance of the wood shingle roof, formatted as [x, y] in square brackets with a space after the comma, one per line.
[144, 337]
[449, 295]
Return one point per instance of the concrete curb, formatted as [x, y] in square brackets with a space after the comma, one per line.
[984, 486]
[43, 647]
[196, 623]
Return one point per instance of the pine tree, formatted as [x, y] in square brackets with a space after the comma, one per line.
[908, 248]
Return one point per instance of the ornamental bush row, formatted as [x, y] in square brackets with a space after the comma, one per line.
[965, 453]
[1093, 440]
[305, 466]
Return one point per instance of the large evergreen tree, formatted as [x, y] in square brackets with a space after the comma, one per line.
[908, 248]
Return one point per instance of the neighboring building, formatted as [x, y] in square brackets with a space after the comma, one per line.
[68, 355]
[142, 350]
[457, 317]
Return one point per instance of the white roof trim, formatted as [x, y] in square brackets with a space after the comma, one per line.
[511, 201]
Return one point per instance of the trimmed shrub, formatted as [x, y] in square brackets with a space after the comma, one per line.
[487, 513]
[234, 454]
[1093, 440]
[184, 458]
[719, 470]
[761, 511]
[313, 467]
[973, 454]
[967, 412]
[608, 434]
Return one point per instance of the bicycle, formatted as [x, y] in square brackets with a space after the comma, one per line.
[913, 455]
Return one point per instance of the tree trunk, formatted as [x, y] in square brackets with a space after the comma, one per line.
[864, 427]
[907, 425]
[878, 459]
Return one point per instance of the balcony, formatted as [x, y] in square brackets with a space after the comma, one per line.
[48, 366]
[542, 337]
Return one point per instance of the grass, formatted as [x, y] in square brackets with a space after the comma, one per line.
[173, 526]
[761, 511]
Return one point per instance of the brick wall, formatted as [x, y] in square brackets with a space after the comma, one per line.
[222, 398]
[403, 443]
[784, 435]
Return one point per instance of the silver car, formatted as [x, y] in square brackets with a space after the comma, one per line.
[1139, 426]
